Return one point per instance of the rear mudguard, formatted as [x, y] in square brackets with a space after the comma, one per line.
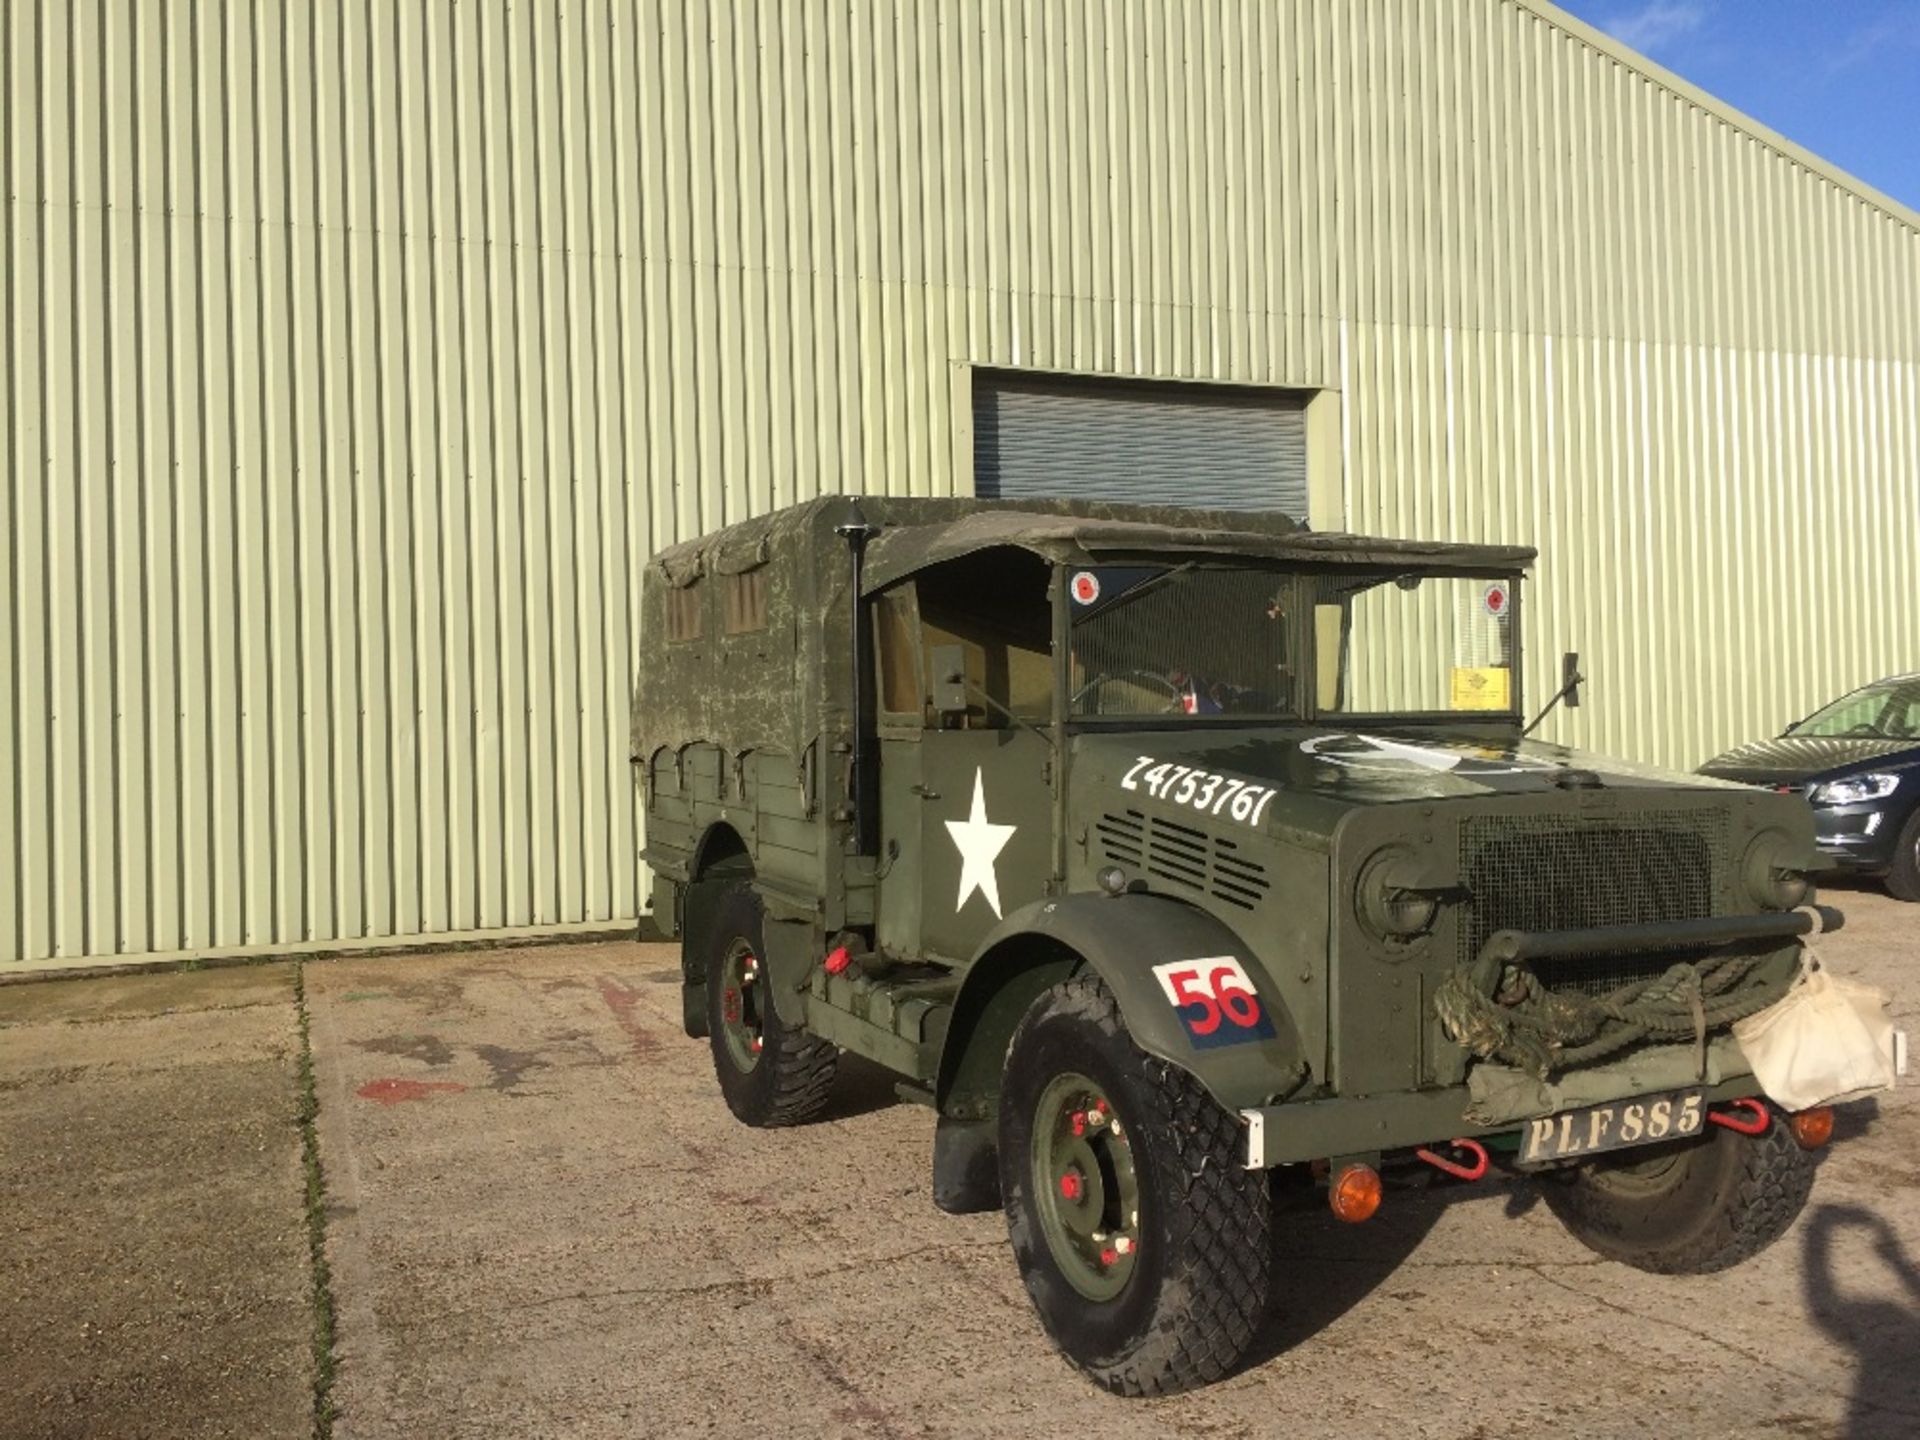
[1145, 947]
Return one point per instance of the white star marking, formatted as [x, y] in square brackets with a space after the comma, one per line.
[980, 841]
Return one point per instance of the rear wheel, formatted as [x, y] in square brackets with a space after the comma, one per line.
[1691, 1208]
[1903, 879]
[770, 1072]
[1143, 1241]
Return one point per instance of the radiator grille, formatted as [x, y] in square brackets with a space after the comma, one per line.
[1181, 855]
[1560, 873]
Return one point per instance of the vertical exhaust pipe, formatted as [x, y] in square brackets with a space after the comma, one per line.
[854, 528]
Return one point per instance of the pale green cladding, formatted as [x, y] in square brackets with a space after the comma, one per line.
[356, 355]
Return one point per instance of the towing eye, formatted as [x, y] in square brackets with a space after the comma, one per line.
[1755, 1126]
[1453, 1167]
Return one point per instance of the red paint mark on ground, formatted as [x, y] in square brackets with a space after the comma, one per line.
[622, 1000]
[393, 1091]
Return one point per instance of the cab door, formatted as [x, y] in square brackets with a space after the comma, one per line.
[986, 837]
[966, 797]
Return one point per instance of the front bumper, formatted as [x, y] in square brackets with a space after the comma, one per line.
[1499, 1097]
[1495, 1100]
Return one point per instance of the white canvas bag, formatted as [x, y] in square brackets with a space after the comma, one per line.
[1827, 1040]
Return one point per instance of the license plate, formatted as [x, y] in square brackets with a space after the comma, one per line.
[1645, 1120]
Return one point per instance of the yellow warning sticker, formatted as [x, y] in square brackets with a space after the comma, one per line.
[1481, 688]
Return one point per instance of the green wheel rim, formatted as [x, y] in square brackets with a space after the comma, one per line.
[742, 1009]
[1085, 1186]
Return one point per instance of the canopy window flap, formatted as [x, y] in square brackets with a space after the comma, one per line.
[682, 565]
[740, 556]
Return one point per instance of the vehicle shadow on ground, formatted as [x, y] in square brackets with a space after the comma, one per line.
[1851, 885]
[1851, 1121]
[1881, 1332]
[1324, 1267]
[860, 1088]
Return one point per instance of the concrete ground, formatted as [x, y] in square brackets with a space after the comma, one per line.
[542, 1221]
[154, 1275]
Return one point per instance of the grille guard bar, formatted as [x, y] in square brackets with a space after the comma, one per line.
[1504, 946]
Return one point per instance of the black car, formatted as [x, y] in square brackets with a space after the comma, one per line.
[1858, 763]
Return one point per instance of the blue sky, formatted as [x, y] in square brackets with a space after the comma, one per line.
[1841, 77]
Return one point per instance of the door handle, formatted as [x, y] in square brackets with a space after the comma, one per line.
[925, 792]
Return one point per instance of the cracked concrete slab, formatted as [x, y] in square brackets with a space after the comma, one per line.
[543, 1221]
[153, 1254]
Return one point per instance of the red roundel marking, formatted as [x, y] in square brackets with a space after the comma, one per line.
[1496, 599]
[1086, 587]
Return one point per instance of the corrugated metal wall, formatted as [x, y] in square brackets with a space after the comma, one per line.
[356, 353]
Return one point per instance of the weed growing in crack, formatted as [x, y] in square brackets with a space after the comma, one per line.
[322, 1294]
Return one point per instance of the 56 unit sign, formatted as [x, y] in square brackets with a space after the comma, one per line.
[1216, 1001]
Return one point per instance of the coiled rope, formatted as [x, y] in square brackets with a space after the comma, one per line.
[1520, 1022]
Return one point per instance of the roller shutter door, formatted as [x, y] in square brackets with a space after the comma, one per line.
[1237, 448]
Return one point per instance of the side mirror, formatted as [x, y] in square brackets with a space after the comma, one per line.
[949, 670]
[1568, 694]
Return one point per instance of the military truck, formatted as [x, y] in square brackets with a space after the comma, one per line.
[1184, 862]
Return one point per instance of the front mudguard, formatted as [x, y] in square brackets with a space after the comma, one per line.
[1124, 938]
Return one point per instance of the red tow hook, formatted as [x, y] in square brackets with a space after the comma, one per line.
[1454, 1167]
[1756, 1126]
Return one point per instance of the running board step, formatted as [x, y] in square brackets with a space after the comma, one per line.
[899, 1026]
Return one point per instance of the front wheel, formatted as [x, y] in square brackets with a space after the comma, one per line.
[1143, 1241]
[1688, 1208]
[1903, 878]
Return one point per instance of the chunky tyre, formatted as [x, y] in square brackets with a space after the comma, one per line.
[1903, 879]
[1691, 1208]
[1143, 1241]
[770, 1073]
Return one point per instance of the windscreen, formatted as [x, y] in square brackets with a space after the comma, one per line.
[1412, 643]
[1887, 711]
[1184, 639]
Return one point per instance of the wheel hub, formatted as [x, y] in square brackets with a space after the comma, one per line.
[742, 1016]
[1086, 1186]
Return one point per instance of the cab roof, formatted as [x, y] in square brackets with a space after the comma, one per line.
[1131, 532]
[910, 533]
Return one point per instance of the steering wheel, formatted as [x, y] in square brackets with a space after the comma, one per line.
[1176, 697]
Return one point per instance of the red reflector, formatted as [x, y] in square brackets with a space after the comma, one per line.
[837, 961]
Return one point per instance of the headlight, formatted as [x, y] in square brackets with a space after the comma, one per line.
[1394, 899]
[1772, 876]
[1855, 789]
